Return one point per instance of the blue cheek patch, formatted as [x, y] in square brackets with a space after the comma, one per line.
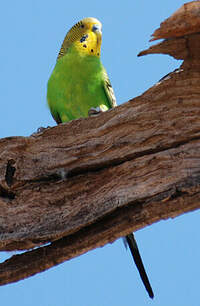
[83, 38]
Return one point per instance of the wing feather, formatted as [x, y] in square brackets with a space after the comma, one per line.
[109, 90]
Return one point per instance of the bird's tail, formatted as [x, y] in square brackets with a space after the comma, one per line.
[139, 264]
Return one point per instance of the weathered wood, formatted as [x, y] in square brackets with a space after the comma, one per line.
[83, 184]
[180, 33]
[185, 21]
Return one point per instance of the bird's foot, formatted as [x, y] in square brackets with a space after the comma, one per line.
[40, 130]
[94, 111]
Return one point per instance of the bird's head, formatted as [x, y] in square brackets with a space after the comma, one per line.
[86, 36]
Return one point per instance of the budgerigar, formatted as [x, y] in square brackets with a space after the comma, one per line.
[79, 83]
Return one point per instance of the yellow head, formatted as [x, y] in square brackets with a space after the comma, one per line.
[85, 35]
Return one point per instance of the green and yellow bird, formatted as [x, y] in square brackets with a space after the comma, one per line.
[78, 84]
[79, 81]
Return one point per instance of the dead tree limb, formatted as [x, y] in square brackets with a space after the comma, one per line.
[83, 184]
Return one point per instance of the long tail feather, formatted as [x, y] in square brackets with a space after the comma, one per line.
[139, 264]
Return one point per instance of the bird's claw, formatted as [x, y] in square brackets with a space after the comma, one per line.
[94, 111]
[40, 130]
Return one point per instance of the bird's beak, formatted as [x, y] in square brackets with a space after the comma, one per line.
[97, 31]
[96, 28]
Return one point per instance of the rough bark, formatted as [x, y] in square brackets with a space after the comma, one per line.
[83, 184]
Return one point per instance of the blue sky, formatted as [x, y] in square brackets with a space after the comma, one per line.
[31, 35]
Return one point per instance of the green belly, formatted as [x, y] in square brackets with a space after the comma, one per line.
[75, 86]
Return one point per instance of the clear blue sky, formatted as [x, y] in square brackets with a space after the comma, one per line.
[31, 35]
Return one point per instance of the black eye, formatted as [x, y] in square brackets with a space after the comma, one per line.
[82, 26]
[85, 46]
[92, 50]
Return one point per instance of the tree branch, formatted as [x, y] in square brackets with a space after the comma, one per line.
[83, 184]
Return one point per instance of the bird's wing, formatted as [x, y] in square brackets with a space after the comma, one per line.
[109, 90]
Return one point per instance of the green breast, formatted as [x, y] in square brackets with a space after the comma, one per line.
[76, 85]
